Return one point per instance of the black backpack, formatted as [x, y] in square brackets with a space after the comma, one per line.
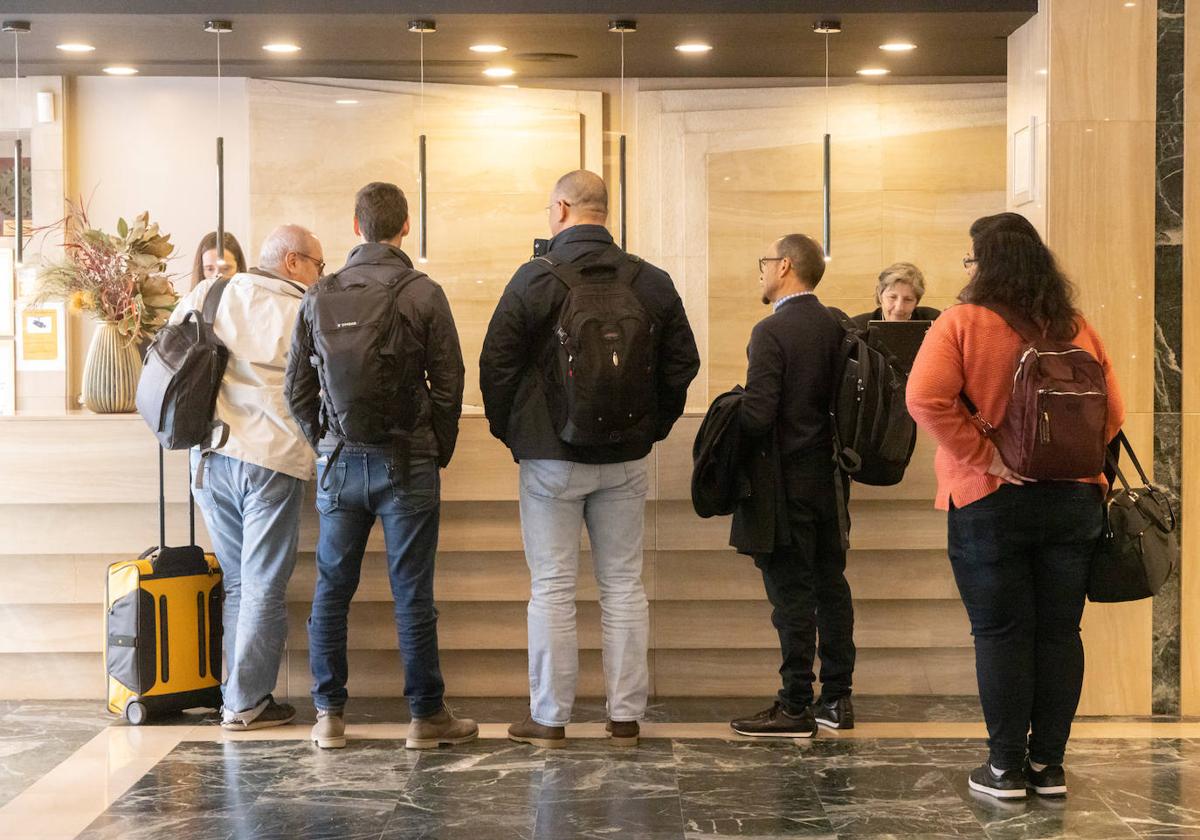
[177, 391]
[602, 374]
[366, 356]
[873, 433]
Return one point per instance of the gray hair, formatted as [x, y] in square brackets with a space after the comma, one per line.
[901, 272]
[584, 191]
[284, 240]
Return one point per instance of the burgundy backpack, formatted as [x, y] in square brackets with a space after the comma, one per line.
[1054, 429]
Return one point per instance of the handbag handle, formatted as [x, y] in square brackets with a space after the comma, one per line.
[1112, 460]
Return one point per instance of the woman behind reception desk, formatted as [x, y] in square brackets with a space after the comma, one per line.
[897, 295]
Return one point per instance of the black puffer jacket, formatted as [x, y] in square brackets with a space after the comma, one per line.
[521, 335]
[425, 304]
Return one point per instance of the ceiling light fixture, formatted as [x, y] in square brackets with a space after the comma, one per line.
[873, 71]
[499, 72]
[488, 48]
[827, 28]
[622, 28]
[121, 71]
[282, 48]
[897, 46]
[219, 28]
[76, 48]
[17, 28]
[422, 27]
[693, 48]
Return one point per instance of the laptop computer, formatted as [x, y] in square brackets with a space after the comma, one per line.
[901, 338]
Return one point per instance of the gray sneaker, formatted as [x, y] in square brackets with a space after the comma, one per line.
[267, 713]
[441, 729]
[329, 732]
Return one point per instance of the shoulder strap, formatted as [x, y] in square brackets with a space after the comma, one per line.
[212, 300]
[1019, 324]
[566, 273]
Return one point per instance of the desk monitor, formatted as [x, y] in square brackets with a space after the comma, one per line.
[901, 338]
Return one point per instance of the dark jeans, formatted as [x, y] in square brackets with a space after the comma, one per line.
[364, 485]
[1021, 557]
[806, 585]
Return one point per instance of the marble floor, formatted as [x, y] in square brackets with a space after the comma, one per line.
[70, 772]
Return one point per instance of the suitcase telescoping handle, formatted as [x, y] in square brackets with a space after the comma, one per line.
[162, 502]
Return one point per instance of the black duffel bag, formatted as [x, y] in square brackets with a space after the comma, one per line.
[1138, 550]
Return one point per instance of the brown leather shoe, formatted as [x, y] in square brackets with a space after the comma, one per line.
[529, 731]
[623, 733]
[441, 729]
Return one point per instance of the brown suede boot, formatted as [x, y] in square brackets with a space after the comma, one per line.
[623, 733]
[442, 729]
[530, 731]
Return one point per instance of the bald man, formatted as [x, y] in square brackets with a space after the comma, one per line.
[250, 490]
[580, 408]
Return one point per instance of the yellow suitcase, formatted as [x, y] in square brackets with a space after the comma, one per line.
[163, 629]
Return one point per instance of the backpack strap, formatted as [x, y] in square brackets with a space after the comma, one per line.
[1030, 333]
[212, 301]
[567, 273]
[571, 274]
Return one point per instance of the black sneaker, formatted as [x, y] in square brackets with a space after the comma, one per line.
[265, 714]
[1008, 785]
[834, 714]
[1049, 781]
[776, 722]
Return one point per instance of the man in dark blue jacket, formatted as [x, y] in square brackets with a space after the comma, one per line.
[793, 361]
[565, 485]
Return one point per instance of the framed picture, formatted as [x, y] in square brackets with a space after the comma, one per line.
[1024, 163]
[8, 285]
[42, 337]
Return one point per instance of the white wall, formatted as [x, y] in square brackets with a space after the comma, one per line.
[150, 144]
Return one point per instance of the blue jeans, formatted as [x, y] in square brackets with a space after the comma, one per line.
[364, 485]
[253, 518]
[557, 499]
[1021, 557]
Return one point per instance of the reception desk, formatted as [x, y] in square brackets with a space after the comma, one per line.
[79, 492]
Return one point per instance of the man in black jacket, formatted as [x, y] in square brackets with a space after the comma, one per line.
[789, 385]
[339, 380]
[564, 486]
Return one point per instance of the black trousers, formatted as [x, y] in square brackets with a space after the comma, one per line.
[806, 585]
[1021, 557]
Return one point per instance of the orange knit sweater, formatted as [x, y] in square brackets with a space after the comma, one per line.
[972, 345]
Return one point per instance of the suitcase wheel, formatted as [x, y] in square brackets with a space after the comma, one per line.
[135, 712]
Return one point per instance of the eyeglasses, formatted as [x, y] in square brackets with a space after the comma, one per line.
[556, 201]
[762, 261]
[320, 264]
[969, 261]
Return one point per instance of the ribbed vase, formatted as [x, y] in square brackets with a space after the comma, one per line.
[111, 372]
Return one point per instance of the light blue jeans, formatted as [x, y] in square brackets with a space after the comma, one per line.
[557, 499]
[253, 518]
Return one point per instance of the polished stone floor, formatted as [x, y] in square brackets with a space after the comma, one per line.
[203, 785]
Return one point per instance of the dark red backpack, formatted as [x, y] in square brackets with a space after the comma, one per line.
[1054, 429]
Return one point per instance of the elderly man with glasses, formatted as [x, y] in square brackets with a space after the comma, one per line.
[250, 490]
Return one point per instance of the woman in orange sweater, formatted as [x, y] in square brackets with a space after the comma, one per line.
[1020, 549]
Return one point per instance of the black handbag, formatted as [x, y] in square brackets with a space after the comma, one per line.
[1138, 550]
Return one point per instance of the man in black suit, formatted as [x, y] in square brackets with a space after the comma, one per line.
[793, 357]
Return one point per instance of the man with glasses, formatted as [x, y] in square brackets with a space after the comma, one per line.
[580, 410]
[250, 489]
[793, 365]
[375, 379]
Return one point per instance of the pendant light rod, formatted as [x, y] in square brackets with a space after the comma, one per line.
[17, 28]
[622, 28]
[827, 28]
[219, 27]
[421, 28]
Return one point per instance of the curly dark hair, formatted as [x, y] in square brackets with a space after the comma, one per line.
[1014, 268]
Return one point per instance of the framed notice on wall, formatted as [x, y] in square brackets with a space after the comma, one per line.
[42, 337]
[8, 285]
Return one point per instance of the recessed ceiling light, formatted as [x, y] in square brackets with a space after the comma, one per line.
[345, 101]
[499, 72]
[693, 48]
[488, 48]
[897, 46]
[121, 71]
[76, 48]
[873, 71]
[282, 48]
